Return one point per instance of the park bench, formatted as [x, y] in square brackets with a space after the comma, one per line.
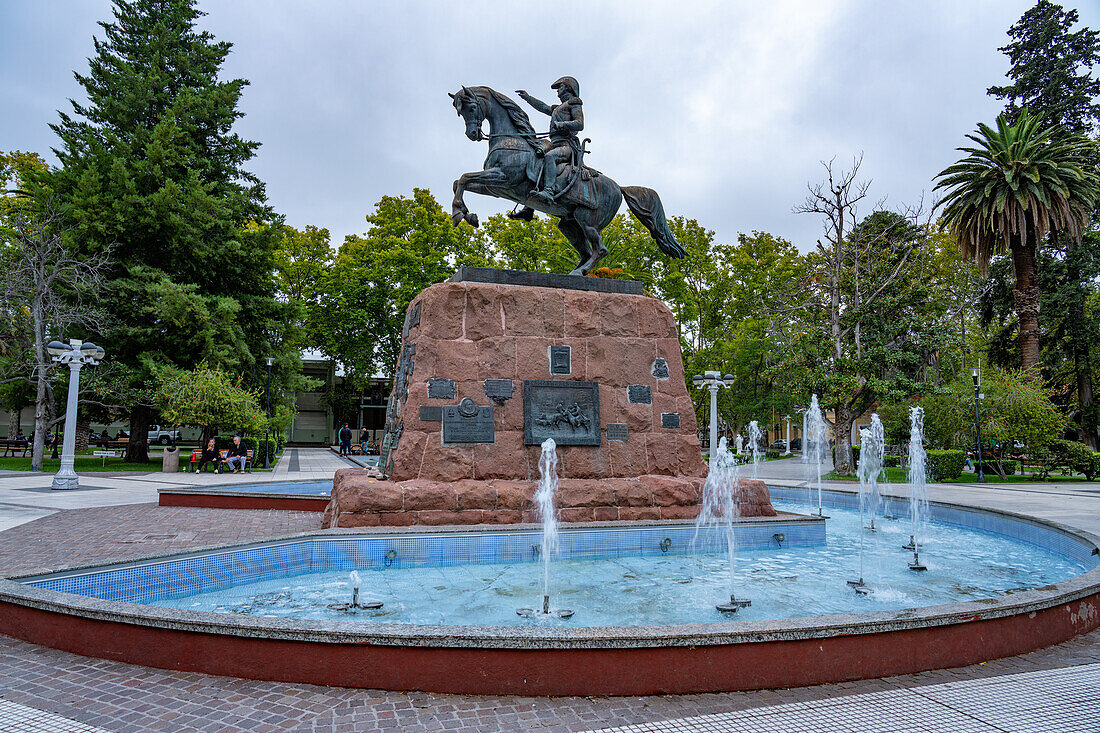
[13, 444]
[196, 457]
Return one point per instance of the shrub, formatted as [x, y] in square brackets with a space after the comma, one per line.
[771, 455]
[891, 461]
[1094, 467]
[946, 464]
[255, 444]
[1011, 466]
[1076, 456]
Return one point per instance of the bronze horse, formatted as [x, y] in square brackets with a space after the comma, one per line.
[511, 172]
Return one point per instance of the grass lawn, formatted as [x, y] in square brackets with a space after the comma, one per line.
[900, 476]
[83, 464]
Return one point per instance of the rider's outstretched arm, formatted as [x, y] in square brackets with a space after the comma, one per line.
[538, 104]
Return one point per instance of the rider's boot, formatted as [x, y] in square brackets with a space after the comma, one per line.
[524, 214]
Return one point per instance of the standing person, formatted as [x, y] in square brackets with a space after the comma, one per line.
[237, 454]
[345, 440]
[210, 454]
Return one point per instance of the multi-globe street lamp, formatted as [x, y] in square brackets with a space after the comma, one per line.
[712, 381]
[75, 354]
[978, 422]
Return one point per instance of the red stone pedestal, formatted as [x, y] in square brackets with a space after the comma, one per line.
[470, 332]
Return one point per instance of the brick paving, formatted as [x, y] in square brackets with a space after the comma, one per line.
[81, 536]
[120, 697]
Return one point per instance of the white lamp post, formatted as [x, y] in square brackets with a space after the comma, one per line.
[787, 452]
[712, 381]
[76, 354]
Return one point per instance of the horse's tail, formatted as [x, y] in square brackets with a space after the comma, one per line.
[645, 204]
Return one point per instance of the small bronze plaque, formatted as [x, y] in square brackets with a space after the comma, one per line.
[639, 394]
[441, 389]
[568, 412]
[670, 419]
[660, 369]
[431, 413]
[499, 389]
[559, 360]
[468, 422]
[617, 431]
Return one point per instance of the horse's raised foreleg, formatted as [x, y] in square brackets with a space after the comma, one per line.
[478, 182]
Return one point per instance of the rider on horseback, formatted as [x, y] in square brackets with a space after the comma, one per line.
[563, 147]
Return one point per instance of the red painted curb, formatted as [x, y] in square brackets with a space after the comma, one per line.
[225, 501]
[639, 671]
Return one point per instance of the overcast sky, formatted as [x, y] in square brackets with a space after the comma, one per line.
[725, 108]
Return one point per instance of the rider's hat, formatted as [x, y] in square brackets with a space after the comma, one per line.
[568, 81]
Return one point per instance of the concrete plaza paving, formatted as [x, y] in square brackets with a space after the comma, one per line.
[1056, 689]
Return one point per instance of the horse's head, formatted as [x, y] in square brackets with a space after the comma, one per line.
[469, 109]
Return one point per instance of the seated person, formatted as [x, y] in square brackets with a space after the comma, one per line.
[210, 454]
[19, 436]
[238, 454]
[121, 434]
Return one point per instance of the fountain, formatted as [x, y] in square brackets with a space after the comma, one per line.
[721, 508]
[872, 447]
[754, 443]
[871, 467]
[356, 581]
[918, 485]
[544, 497]
[815, 434]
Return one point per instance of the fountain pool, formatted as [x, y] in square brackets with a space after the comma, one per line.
[645, 622]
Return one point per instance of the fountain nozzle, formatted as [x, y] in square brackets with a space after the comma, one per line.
[733, 605]
[859, 587]
[917, 565]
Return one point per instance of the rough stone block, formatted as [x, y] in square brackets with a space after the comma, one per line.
[585, 493]
[504, 459]
[582, 315]
[679, 512]
[350, 519]
[576, 514]
[447, 462]
[502, 516]
[429, 495]
[474, 494]
[534, 312]
[606, 513]
[619, 315]
[496, 359]
[668, 491]
[655, 320]
[397, 519]
[484, 316]
[637, 513]
[756, 500]
[437, 518]
[441, 311]
[628, 459]
[515, 494]
[632, 492]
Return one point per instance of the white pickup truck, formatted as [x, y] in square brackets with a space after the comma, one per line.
[163, 434]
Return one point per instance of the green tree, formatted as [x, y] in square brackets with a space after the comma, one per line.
[1052, 72]
[409, 245]
[150, 162]
[208, 398]
[1022, 182]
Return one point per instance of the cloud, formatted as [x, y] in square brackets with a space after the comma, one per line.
[725, 108]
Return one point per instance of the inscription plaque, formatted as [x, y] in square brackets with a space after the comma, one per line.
[568, 412]
[660, 369]
[468, 422]
[639, 394]
[559, 360]
[499, 389]
[441, 389]
[431, 413]
[670, 419]
[617, 431]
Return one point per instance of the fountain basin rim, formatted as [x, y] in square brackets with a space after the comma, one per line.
[511, 637]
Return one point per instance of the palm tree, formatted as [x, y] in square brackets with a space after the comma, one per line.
[1023, 182]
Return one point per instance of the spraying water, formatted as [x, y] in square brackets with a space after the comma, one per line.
[544, 498]
[815, 429]
[918, 484]
[755, 437]
[721, 507]
[871, 473]
[355, 581]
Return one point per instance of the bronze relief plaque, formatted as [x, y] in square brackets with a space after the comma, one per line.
[568, 412]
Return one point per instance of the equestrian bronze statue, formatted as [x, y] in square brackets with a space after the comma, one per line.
[546, 172]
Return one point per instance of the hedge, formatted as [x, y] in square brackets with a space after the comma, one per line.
[771, 455]
[946, 464]
[255, 444]
[1094, 467]
[1010, 465]
[891, 461]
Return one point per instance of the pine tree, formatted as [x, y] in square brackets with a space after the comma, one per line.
[150, 164]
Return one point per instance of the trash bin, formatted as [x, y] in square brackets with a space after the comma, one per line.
[171, 459]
